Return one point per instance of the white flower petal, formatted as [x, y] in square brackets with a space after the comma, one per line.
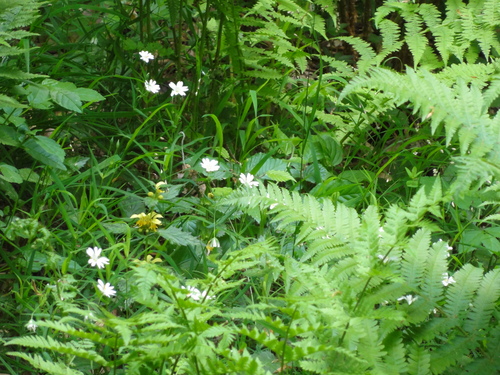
[151, 86]
[146, 56]
[106, 289]
[248, 180]
[178, 88]
[210, 165]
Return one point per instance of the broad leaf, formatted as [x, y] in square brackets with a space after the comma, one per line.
[10, 173]
[45, 150]
[9, 136]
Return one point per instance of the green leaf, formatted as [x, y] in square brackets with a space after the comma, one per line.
[45, 150]
[222, 192]
[14, 73]
[89, 95]
[39, 97]
[280, 176]
[9, 136]
[27, 174]
[64, 94]
[10, 173]
[7, 101]
[177, 236]
[329, 149]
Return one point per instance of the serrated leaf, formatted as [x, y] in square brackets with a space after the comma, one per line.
[45, 150]
[116, 228]
[177, 236]
[7, 101]
[9, 136]
[280, 176]
[14, 73]
[39, 97]
[89, 95]
[10, 174]
[27, 174]
[64, 94]
[222, 192]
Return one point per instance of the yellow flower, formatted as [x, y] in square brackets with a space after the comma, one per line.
[147, 222]
[158, 186]
[149, 259]
[157, 193]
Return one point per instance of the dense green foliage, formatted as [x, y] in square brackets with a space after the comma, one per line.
[249, 187]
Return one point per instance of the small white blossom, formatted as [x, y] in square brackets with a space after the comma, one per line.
[196, 294]
[106, 289]
[178, 88]
[214, 242]
[151, 86]
[408, 298]
[247, 179]
[210, 165]
[447, 280]
[146, 56]
[31, 326]
[95, 259]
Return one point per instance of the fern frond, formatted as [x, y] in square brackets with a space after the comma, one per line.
[419, 360]
[491, 93]
[390, 38]
[413, 267]
[39, 362]
[485, 302]
[57, 346]
[459, 294]
[364, 49]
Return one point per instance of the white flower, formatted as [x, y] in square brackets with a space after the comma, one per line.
[213, 243]
[409, 298]
[151, 86]
[178, 89]
[447, 280]
[95, 259]
[196, 294]
[247, 179]
[146, 56]
[107, 289]
[210, 165]
[31, 326]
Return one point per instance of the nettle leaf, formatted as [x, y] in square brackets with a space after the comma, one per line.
[45, 150]
[89, 95]
[39, 97]
[65, 94]
[177, 236]
[280, 176]
[9, 136]
[10, 174]
[7, 101]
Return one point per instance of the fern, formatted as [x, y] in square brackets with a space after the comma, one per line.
[50, 367]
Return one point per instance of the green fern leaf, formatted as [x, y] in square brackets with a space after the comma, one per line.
[65, 348]
[414, 37]
[390, 38]
[459, 294]
[366, 52]
[39, 362]
[419, 361]
[485, 302]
